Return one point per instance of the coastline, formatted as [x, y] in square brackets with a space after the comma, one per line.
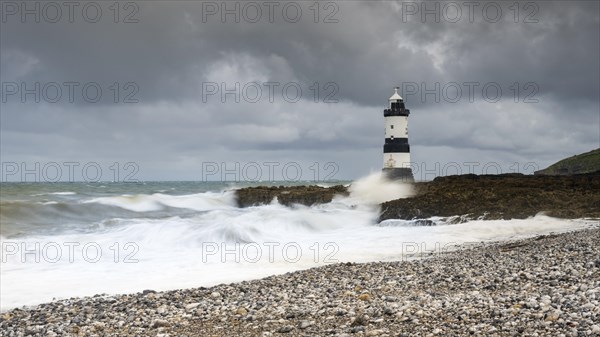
[461, 197]
[545, 285]
[502, 196]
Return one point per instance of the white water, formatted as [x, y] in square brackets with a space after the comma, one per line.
[181, 252]
[375, 189]
[145, 203]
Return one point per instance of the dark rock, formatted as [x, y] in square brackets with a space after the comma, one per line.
[288, 195]
[357, 329]
[360, 320]
[285, 329]
[504, 196]
[424, 222]
[470, 196]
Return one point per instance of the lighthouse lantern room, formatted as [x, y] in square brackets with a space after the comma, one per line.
[396, 151]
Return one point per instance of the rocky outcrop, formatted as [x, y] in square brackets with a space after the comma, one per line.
[287, 195]
[506, 196]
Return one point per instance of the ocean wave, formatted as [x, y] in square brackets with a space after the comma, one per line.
[159, 241]
[226, 244]
[158, 201]
[54, 193]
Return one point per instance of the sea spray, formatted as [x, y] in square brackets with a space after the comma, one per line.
[157, 201]
[101, 242]
[375, 189]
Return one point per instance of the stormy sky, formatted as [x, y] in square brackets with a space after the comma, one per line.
[202, 90]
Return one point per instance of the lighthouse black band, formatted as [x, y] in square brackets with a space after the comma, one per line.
[396, 112]
[396, 140]
[396, 148]
[396, 145]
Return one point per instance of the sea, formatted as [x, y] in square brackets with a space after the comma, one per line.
[63, 240]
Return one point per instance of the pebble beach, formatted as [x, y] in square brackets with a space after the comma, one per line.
[543, 286]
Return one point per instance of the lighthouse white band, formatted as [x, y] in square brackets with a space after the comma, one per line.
[396, 160]
[396, 127]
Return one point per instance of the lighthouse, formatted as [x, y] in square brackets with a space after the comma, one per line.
[396, 151]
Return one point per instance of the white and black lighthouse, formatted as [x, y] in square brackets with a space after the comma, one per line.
[396, 151]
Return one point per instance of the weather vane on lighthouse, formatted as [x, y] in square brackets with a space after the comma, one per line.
[396, 151]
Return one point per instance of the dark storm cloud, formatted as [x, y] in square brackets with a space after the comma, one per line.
[176, 47]
[372, 45]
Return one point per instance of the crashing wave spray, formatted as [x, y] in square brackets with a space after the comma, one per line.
[376, 188]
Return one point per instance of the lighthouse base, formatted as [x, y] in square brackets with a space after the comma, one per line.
[401, 174]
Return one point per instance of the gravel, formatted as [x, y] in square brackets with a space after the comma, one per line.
[544, 286]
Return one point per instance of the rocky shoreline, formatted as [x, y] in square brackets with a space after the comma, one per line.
[548, 285]
[287, 195]
[463, 197]
[505, 196]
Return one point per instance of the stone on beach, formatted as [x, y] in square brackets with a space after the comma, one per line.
[546, 286]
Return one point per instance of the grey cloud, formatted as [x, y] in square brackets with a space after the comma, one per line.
[171, 52]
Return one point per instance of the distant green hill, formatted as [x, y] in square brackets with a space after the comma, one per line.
[582, 163]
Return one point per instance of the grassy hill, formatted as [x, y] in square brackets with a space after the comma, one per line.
[582, 163]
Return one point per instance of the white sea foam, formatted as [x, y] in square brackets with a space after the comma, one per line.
[54, 193]
[146, 203]
[376, 188]
[179, 252]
